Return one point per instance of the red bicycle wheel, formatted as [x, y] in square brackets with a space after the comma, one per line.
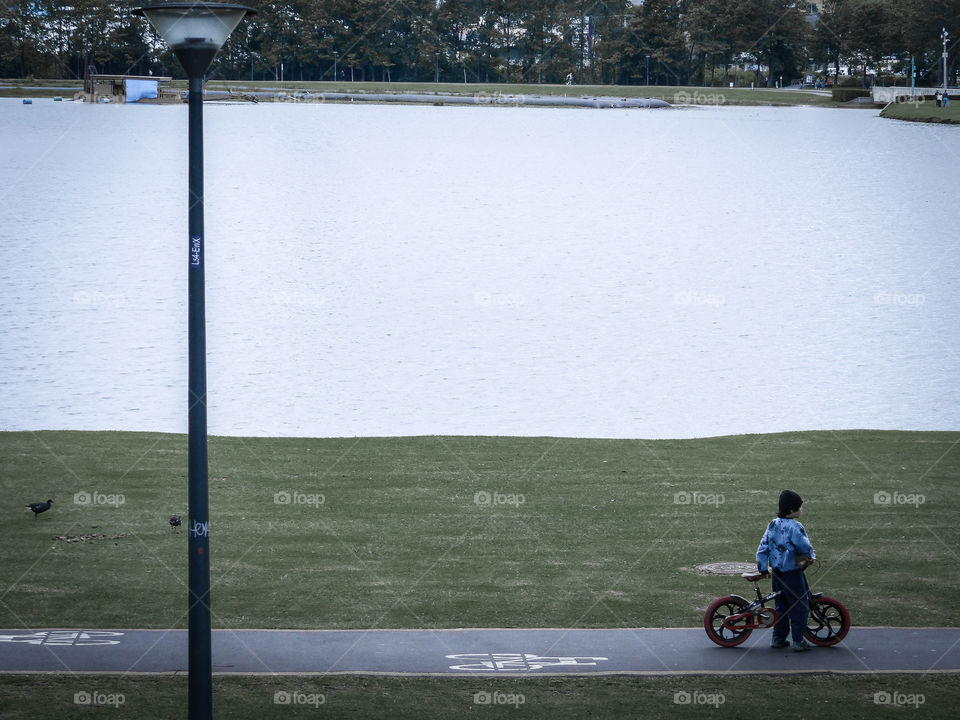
[720, 610]
[828, 623]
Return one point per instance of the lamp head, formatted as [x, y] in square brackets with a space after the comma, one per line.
[195, 31]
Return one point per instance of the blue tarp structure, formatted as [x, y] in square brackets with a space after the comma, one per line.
[139, 89]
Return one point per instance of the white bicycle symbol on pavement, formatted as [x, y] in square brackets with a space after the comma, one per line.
[64, 637]
[519, 662]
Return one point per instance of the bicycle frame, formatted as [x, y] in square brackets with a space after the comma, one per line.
[765, 617]
[757, 614]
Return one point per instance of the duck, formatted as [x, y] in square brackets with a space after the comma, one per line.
[39, 507]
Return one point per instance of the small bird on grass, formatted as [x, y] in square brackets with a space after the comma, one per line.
[174, 521]
[39, 507]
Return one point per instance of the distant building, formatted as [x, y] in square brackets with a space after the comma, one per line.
[126, 89]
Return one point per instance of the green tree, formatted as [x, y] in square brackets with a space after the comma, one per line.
[655, 32]
[916, 26]
[774, 33]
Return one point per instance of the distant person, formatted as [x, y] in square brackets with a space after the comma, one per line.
[786, 551]
[946, 98]
[569, 78]
[939, 98]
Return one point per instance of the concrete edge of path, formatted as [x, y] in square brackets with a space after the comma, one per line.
[487, 675]
[464, 629]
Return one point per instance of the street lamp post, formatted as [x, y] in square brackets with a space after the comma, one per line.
[913, 78]
[436, 76]
[336, 56]
[648, 70]
[945, 35]
[196, 31]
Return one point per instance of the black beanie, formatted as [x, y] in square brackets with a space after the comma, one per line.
[789, 501]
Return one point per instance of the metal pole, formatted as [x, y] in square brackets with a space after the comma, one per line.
[648, 69]
[945, 36]
[436, 77]
[199, 651]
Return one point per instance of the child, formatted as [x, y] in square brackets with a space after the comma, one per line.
[783, 543]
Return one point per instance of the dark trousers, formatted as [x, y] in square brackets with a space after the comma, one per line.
[793, 604]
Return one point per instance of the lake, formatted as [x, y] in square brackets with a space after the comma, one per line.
[392, 270]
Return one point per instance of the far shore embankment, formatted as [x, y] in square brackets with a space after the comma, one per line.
[461, 94]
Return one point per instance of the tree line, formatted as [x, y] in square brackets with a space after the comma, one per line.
[670, 42]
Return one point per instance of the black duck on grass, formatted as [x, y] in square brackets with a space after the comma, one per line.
[39, 507]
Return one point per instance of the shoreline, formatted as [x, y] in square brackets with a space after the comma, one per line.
[773, 434]
[922, 112]
[466, 94]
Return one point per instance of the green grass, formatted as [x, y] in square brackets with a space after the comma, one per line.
[399, 541]
[672, 94]
[42, 89]
[926, 111]
[45, 697]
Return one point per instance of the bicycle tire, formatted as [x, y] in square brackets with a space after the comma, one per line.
[828, 622]
[720, 609]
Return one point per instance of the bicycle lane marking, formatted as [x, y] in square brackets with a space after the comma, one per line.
[520, 662]
[61, 638]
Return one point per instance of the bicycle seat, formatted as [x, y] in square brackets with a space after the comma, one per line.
[753, 576]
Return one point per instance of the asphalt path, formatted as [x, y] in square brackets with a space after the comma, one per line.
[482, 652]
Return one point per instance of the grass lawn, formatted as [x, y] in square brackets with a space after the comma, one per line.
[388, 533]
[46, 697]
[926, 111]
[672, 94]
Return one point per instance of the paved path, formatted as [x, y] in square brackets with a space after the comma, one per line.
[473, 652]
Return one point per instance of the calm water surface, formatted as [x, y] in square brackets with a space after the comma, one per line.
[382, 270]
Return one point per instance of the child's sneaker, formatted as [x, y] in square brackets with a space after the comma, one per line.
[778, 642]
[801, 646]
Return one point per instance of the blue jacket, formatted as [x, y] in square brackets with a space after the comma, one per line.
[783, 540]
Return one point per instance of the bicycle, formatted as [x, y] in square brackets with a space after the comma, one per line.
[730, 620]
